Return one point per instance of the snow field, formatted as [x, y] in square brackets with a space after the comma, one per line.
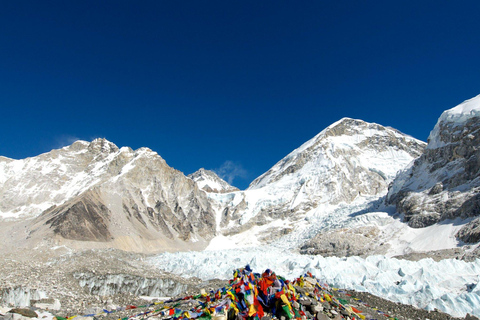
[450, 285]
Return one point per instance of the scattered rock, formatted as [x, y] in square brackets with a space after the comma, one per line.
[24, 312]
[322, 316]
[47, 304]
[470, 233]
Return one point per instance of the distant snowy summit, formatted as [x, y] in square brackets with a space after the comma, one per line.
[209, 181]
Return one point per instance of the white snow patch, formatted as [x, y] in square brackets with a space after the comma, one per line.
[435, 237]
[221, 242]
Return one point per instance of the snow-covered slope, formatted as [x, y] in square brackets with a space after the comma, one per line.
[209, 181]
[444, 183]
[107, 196]
[350, 163]
[356, 145]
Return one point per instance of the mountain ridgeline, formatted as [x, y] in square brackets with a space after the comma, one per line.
[96, 195]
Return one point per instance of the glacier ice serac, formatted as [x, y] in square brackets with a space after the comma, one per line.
[449, 285]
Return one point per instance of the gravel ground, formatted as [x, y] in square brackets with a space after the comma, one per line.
[54, 274]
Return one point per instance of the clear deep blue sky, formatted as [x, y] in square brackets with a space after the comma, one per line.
[232, 86]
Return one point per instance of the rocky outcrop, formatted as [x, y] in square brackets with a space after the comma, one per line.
[84, 219]
[470, 233]
[361, 241]
[27, 313]
[444, 182]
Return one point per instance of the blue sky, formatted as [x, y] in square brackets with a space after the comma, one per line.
[232, 86]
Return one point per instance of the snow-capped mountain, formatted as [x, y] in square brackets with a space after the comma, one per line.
[209, 181]
[444, 183]
[133, 200]
[323, 197]
[114, 197]
[350, 161]
[355, 144]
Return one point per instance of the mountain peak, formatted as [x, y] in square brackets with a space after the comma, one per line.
[350, 126]
[102, 145]
[209, 181]
[347, 138]
[78, 145]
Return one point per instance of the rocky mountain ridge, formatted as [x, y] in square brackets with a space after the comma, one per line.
[444, 182]
[97, 193]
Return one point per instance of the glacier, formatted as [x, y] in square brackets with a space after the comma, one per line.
[449, 285]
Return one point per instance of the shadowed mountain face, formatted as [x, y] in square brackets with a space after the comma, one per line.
[444, 183]
[86, 219]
